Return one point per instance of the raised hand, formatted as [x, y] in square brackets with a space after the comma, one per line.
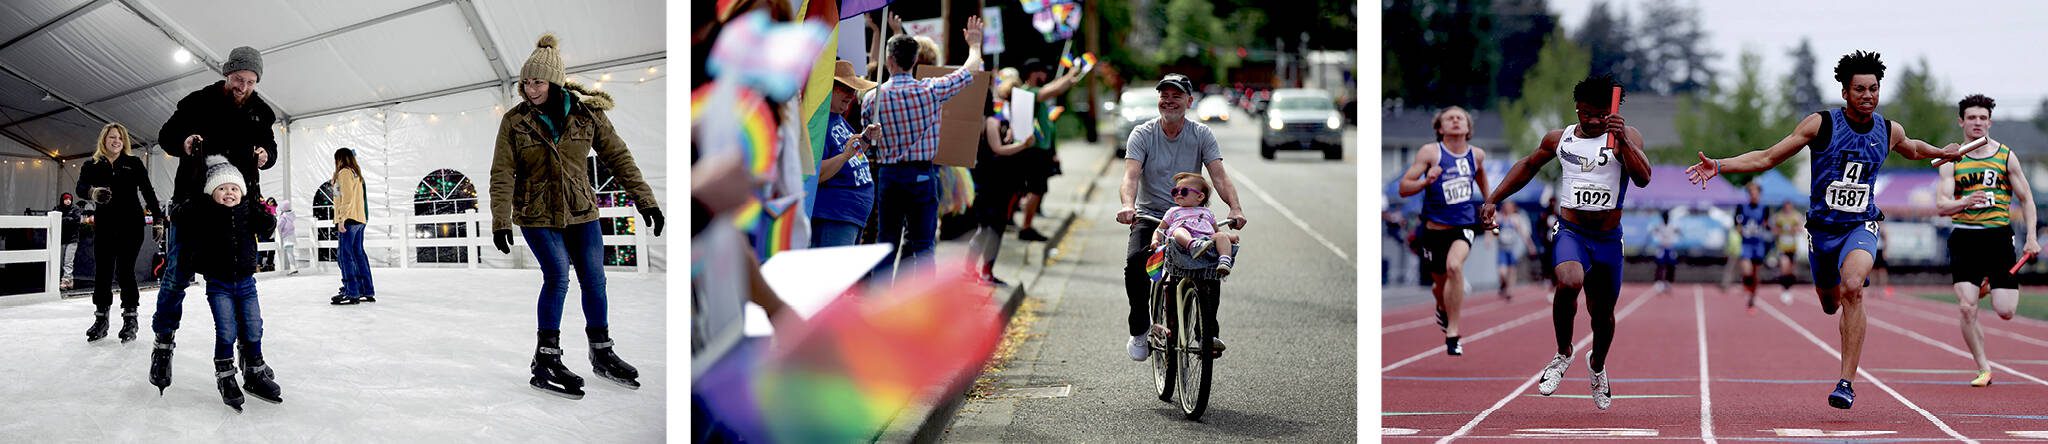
[1706, 169]
[973, 32]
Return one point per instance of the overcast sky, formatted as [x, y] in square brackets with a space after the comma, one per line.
[1997, 48]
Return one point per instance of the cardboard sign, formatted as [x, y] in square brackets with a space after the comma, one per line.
[960, 120]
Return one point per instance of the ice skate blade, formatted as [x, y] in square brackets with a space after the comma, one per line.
[622, 382]
[277, 400]
[551, 391]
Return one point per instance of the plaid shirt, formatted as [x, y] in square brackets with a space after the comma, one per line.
[907, 108]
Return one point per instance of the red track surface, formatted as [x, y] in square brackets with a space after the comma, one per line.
[1767, 380]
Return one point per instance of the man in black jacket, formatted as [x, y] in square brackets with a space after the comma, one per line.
[226, 119]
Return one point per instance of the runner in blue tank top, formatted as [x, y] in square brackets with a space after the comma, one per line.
[1593, 179]
[1450, 175]
[1849, 144]
[1752, 222]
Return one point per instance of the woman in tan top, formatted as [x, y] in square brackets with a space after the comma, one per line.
[349, 220]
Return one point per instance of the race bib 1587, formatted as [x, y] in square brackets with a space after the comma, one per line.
[1848, 197]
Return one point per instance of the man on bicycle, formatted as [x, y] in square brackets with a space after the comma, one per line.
[1157, 150]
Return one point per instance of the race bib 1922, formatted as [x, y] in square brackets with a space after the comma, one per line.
[1592, 196]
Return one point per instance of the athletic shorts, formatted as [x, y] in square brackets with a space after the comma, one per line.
[1831, 245]
[1598, 251]
[1509, 258]
[1754, 250]
[1667, 257]
[1979, 253]
[1436, 246]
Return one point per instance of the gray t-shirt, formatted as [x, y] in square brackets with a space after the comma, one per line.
[1160, 157]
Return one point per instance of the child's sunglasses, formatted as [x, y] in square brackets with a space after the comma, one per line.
[1183, 191]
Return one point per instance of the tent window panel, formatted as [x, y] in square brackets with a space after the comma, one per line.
[441, 255]
[323, 209]
[610, 193]
[621, 256]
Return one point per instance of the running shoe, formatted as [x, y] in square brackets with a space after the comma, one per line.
[1138, 348]
[1843, 397]
[1983, 379]
[1602, 396]
[1785, 297]
[1553, 373]
[1451, 346]
[1443, 321]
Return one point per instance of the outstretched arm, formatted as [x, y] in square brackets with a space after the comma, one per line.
[1916, 149]
[1759, 160]
[1525, 169]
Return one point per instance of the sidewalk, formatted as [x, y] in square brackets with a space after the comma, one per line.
[1020, 263]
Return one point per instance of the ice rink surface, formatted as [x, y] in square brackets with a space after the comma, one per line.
[441, 357]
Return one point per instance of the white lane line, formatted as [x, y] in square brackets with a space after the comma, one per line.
[1950, 348]
[1987, 329]
[1240, 176]
[1864, 373]
[1468, 340]
[1699, 307]
[1625, 311]
[1431, 320]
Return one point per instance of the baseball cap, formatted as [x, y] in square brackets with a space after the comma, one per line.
[1177, 81]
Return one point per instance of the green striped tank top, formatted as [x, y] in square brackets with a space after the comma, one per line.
[1984, 175]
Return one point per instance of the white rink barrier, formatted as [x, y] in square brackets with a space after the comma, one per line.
[397, 237]
[51, 255]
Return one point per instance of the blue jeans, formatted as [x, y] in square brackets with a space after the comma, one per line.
[355, 264]
[579, 248]
[235, 315]
[170, 292]
[833, 233]
[909, 200]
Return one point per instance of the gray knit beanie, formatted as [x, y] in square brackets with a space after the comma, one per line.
[243, 58]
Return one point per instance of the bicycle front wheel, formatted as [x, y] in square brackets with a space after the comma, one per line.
[1164, 365]
[1196, 361]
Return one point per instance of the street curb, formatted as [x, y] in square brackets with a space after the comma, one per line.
[933, 427]
[941, 417]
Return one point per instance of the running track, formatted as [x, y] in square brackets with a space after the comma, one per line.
[1767, 374]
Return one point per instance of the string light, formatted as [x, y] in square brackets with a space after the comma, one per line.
[607, 77]
[652, 69]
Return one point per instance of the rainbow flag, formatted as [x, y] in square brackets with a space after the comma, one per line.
[842, 374]
[1155, 266]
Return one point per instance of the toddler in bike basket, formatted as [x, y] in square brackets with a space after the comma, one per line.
[1192, 227]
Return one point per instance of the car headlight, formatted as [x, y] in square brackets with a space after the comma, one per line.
[1274, 123]
[1335, 122]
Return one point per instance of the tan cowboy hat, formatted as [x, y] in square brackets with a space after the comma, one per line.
[845, 74]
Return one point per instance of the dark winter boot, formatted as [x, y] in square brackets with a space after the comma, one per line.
[99, 326]
[607, 364]
[127, 325]
[224, 372]
[256, 376]
[548, 373]
[160, 362]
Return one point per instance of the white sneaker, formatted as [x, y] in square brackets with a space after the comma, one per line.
[1661, 286]
[1139, 349]
[1602, 396]
[1785, 297]
[1553, 373]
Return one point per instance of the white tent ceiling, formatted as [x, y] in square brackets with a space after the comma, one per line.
[69, 66]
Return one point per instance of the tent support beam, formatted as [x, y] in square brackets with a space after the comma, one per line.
[359, 25]
[490, 46]
[68, 16]
[214, 68]
[54, 95]
[643, 58]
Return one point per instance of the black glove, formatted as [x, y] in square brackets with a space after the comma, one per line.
[504, 240]
[653, 217]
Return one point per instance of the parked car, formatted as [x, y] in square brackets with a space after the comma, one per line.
[1213, 107]
[1302, 119]
[1134, 107]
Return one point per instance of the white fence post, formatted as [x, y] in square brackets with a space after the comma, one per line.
[640, 256]
[476, 251]
[54, 245]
